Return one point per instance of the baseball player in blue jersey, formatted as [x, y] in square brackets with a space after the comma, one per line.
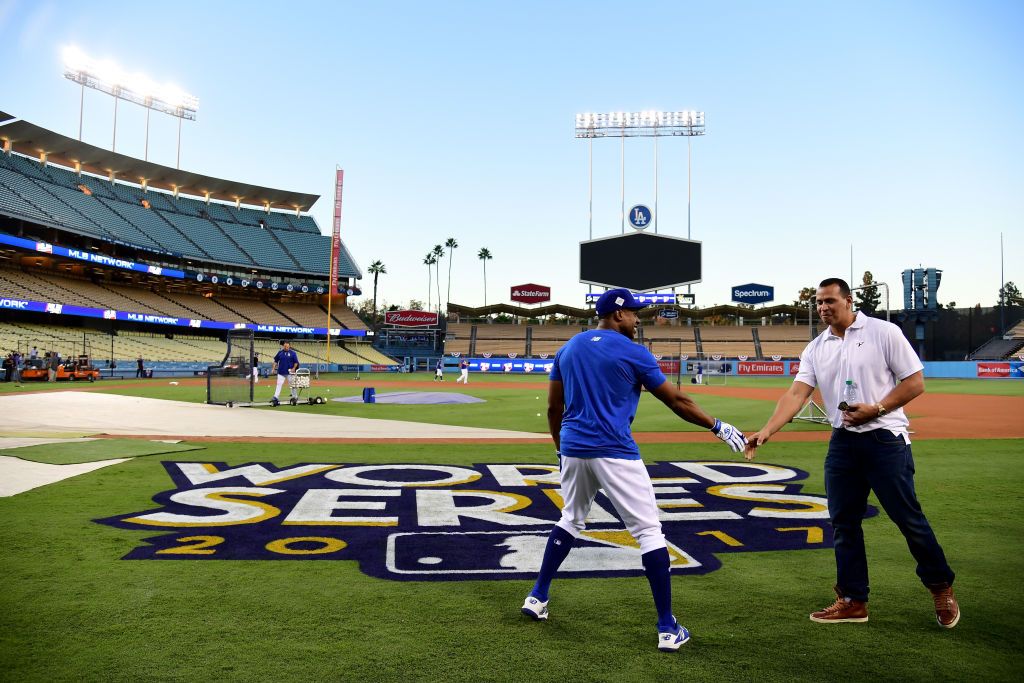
[593, 394]
[286, 361]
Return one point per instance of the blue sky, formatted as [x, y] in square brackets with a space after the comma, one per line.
[894, 127]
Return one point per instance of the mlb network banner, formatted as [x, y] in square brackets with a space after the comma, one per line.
[125, 264]
[439, 522]
[88, 256]
[160, 319]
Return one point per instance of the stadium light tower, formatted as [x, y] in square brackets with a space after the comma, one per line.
[640, 124]
[106, 76]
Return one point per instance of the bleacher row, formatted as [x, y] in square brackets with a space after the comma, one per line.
[124, 348]
[188, 227]
[45, 286]
[787, 341]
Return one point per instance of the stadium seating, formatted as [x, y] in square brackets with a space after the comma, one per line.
[159, 229]
[366, 352]
[730, 341]
[303, 224]
[183, 226]
[311, 251]
[126, 347]
[205, 232]
[255, 311]
[348, 318]
[103, 217]
[14, 203]
[260, 243]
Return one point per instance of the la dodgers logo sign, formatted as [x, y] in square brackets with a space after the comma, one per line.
[444, 522]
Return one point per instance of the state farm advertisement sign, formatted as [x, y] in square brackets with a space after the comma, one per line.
[761, 368]
[410, 318]
[993, 369]
[794, 367]
[530, 294]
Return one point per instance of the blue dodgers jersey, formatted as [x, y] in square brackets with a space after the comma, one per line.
[286, 360]
[601, 372]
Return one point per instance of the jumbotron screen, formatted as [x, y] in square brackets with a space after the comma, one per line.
[640, 261]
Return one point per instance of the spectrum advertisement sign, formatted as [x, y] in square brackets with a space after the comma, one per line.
[30, 306]
[753, 293]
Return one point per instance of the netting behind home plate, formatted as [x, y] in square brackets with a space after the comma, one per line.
[231, 382]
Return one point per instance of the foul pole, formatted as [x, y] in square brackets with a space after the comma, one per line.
[339, 181]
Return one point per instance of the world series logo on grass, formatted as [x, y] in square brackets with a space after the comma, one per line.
[488, 521]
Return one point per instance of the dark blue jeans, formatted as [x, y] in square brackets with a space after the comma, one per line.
[879, 461]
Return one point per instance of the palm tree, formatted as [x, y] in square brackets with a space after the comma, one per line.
[429, 261]
[438, 254]
[484, 255]
[452, 246]
[377, 268]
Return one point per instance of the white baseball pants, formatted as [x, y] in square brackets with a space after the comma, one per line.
[281, 380]
[628, 487]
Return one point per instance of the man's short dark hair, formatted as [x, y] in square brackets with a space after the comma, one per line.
[844, 288]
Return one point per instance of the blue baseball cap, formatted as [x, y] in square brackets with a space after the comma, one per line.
[617, 299]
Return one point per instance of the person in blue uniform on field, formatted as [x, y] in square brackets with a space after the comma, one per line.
[286, 362]
[593, 393]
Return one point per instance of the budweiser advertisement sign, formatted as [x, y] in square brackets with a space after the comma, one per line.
[410, 318]
[761, 368]
[530, 294]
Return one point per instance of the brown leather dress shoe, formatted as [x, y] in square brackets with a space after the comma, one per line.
[842, 610]
[947, 610]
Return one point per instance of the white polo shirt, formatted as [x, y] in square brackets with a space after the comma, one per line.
[875, 355]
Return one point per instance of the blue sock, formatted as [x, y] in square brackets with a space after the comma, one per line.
[559, 544]
[656, 567]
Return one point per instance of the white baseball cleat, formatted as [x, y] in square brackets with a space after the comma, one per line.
[670, 641]
[535, 609]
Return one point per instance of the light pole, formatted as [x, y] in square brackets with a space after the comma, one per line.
[109, 78]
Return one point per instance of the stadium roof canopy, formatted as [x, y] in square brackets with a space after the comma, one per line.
[32, 140]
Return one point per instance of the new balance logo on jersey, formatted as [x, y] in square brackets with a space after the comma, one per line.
[595, 338]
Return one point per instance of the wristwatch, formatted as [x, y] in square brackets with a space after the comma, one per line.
[881, 409]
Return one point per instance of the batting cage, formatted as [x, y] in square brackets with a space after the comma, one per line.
[702, 371]
[231, 382]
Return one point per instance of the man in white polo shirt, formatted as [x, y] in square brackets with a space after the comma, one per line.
[869, 449]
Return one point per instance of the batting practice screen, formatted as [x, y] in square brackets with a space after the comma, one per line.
[231, 382]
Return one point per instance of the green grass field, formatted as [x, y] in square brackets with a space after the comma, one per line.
[72, 610]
